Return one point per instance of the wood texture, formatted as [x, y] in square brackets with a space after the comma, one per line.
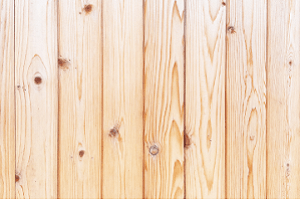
[123, 99]
[164, 107]
[36, 98]
[283, 117]
[246, 99]
[205, 99]
[80, 99]
[7, 106]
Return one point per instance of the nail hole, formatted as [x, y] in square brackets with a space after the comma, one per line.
[154, 150]
[38, 80]
[81, 153]
[290, 63]
[223, 3]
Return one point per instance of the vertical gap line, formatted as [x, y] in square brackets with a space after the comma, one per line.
[143, 99]
[225, 89]
[15, 96]
[58, 113]
[143, 49]
[266, 68]
[102, 98]
[184, 97]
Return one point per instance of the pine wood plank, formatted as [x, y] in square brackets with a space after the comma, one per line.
[246, 99]
[283, 97]
[164, 90]
[36, 98]
[123, 99]
[7, 101]
[80, 98]
[205, 99]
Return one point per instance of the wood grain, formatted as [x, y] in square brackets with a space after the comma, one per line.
[164, 107]
[7, 106]
[122, 99]
[80, 98]
[205, 99]
[246, 99]
[283, 150]
[36, 98]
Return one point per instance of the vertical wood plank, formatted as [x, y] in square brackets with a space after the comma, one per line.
[7, 101]
[80, 98]
[164, 106]
[283, 115]
[36, 98]
[123, 99]
[205, 99]
[246, 99]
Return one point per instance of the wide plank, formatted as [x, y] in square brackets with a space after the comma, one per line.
[246, 99]
[123, 99]
[36, 98]
[80, 99]
[283, 97]
[205, 99]
[164, 95]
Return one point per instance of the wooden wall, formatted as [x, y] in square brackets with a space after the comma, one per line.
[149, 99]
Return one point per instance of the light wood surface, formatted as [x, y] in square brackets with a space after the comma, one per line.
[122, 99]
[205, 99]
[80, 99]
[36, 98]
[246, 99]
[164, 94]
[283, 97]
[149, 99]
[7, 105]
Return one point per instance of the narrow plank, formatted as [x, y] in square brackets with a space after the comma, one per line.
[205, 99]
[80, 99]
[246, 99]
[164, 92]
[123, 99]
[36, 98]
[7, 105]
[283, 86]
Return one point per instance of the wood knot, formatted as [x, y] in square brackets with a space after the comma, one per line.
[88, 8]
[63, 63]
[290, 63]
[252, 137]
[81, 153]
[17, 178]
[114, 132]
[187, 141]
[38, 80]
[231, 29]
[154, 150]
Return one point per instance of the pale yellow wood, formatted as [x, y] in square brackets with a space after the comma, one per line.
[36, 98]
[283, 97]
[7, 102]
[164, 92]
[205, 99]
[246, 99]
[80, 99]
[122, 99]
